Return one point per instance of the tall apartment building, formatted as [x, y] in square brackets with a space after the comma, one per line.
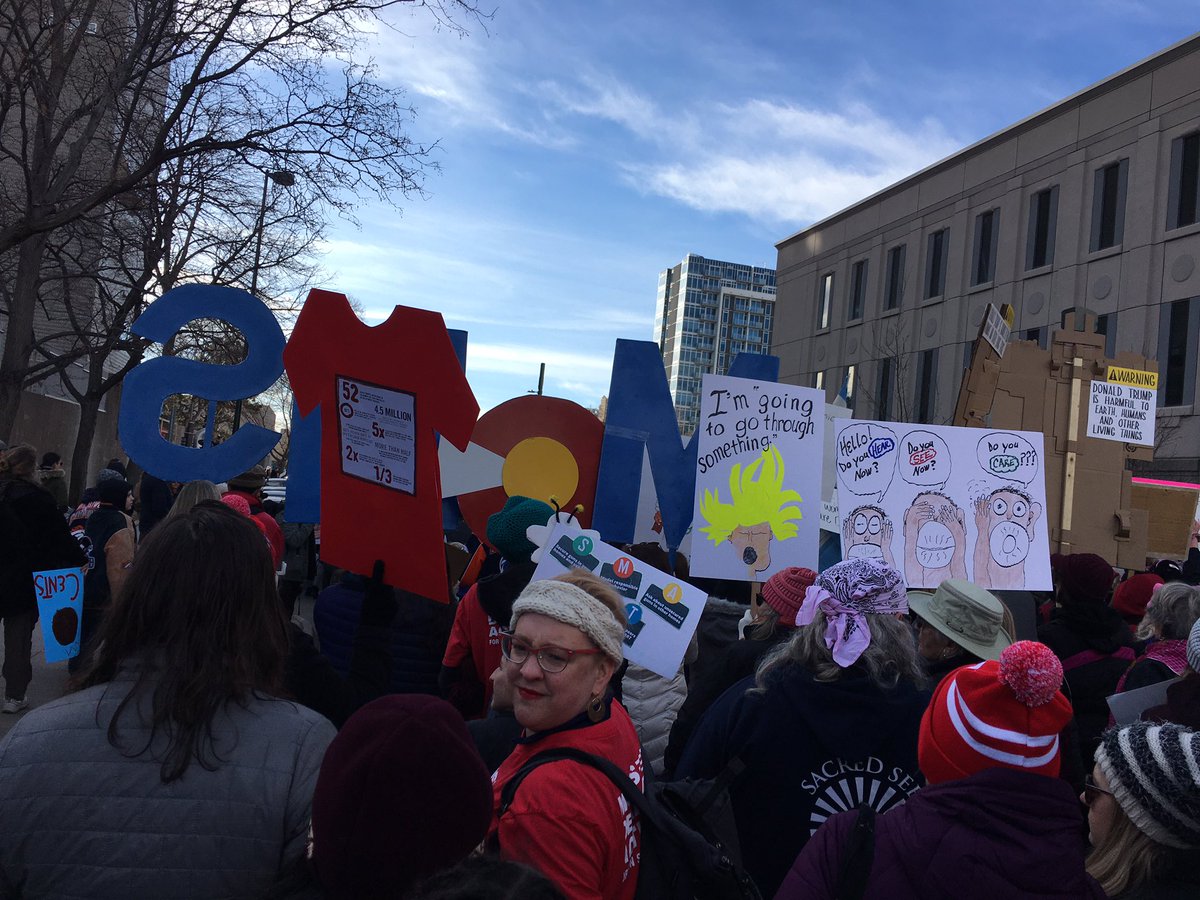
[1092, 203]
[708, 312]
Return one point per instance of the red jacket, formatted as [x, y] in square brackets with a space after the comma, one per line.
[568, 820]
[268, 525]
[475, 637]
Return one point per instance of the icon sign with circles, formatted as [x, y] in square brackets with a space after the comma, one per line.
[633, 613]
[623, 567]
[672, 593]
[583, 545]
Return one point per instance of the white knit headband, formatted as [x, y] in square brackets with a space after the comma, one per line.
[573, 606]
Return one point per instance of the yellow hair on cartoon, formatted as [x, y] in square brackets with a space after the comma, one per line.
[756, 496]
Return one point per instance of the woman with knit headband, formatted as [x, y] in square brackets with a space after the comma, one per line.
[829, 722]
[567, 819]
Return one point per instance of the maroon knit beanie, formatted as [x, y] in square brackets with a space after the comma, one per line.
[1132, 596]
[1086, 577]
[402, 794]
[784, 592]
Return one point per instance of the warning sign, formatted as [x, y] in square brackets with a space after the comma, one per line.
[1121, 411]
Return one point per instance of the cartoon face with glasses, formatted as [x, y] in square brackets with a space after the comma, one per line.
[554, 669]
[867, 534]
[1004, 523]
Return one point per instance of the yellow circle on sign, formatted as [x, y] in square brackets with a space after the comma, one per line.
[540, 467]
[672, 593]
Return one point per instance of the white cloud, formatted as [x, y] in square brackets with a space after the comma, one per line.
[771, 161]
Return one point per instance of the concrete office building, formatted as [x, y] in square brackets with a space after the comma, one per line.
[708, 312]
[1093, 203]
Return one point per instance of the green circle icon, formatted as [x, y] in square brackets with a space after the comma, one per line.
[583, 545]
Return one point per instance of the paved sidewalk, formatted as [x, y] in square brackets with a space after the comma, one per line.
[49, 683]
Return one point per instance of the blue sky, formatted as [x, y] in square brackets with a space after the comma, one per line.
[585, 147]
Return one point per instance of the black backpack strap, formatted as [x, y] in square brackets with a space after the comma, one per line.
[620, 780]
[859, 855]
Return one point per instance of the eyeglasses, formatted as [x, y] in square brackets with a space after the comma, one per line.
[1092, 791]
[549, 658]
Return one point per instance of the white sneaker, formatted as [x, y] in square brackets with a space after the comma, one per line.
[13, 705]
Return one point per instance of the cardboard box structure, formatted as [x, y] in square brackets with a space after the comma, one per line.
[1172, 509]
[1088, 487]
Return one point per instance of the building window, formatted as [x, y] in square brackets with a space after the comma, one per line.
[824, 300]
[1035, 335]
[1108, 205]
[1043, 221]
[819, 381]
[1177, 333]
[926, 384]
[935, 264]
[895, 278]
[886, 378]
[1107, 326]
[858, 289]
[1182, 201]
[983, 258]
[849, 386]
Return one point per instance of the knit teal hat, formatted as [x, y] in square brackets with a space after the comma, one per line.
[506, 529]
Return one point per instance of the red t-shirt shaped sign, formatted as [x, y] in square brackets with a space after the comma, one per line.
[385, 393]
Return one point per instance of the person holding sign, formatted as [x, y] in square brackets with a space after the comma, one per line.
[35, 538]
[829, 722]
[175, 770]
[567, 819]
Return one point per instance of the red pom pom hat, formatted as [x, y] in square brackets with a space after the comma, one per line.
[1004, 714]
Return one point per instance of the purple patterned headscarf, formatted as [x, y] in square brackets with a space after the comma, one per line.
[847, 593]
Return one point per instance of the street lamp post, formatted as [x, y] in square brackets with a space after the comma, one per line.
[283, 178]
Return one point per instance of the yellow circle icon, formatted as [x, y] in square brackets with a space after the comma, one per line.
[672, 593]
[540, 467]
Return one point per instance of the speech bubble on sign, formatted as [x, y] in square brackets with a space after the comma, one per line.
[865, 456]
[924, 459]
[1009, 456]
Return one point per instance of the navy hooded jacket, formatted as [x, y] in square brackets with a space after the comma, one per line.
[812, 749]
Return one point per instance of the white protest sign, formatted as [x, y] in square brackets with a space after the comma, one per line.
[939, 502]
[995, 330]
[758, 487]
[663, 610]
[1122, 408]
[377, 430]
[828, 469]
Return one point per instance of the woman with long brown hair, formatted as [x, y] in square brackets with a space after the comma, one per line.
[174, 769]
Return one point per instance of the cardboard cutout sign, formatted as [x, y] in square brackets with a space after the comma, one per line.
[663, 610]
[546, 447]
[152, 382]
[939, 502]
[60, 604]
[758, 489]
[641, 423]
[304, 453]
[332, 352]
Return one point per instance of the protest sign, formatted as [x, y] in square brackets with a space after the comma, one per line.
[1122, 407]
[758, 488]
[996, 330]
[828, 469]
[149, 384]
[380, 414]
[541, 447]
[60, 605]
[663, 610]
[920, 497]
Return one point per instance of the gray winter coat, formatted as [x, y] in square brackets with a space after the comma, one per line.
[81, 819]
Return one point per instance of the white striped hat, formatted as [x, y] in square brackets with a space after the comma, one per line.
[1154, 774]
